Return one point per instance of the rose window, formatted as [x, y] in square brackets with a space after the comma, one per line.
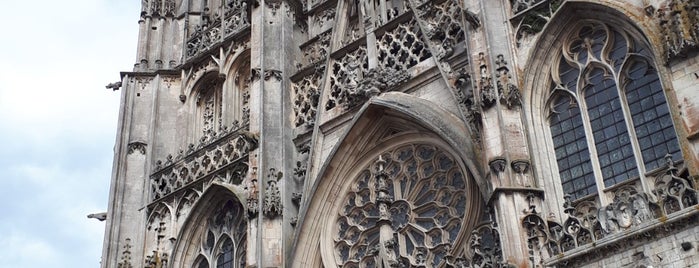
[407, 208]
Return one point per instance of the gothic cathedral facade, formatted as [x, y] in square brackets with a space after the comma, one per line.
[408, 133]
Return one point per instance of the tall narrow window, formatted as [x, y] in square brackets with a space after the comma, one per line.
[607, 102]
[209, 107]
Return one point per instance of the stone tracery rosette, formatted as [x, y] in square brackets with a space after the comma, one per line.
[427, 204]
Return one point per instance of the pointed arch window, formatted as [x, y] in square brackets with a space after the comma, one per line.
[223, 241]
[209, 114]
[608, 116]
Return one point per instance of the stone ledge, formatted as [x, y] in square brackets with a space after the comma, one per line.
[612, 244]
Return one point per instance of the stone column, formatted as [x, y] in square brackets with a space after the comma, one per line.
[124, 236]
[271, 63]
[504, 143]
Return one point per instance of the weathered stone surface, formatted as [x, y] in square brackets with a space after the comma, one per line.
[361, 133]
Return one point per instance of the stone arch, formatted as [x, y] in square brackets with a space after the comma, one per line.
[189, 238]
[206, 105]
[382, 123]
[537, 83]
[236, 88]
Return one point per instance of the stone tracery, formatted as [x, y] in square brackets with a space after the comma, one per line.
[223, 241]
[419, 192]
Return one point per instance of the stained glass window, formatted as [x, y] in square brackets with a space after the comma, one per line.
[607, 101]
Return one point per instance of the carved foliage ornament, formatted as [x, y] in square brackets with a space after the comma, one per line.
[272, 206]
[508, 91]
[125, 260]
[587, 222]
[679, 24]
[464, 91]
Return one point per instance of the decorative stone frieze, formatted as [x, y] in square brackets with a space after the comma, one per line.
[588, 223]
[678, 20]
[224, 158]
[272, 206]
[214, 29]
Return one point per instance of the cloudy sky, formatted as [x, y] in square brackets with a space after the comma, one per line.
[58, 124]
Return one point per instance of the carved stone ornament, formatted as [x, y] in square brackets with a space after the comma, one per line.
[224, 234]
[251, 206]
[213, 28]
[485, 247]
[272, 206]
[488, 95]
[224, 158]
[373, 83]
[442, 25]
[137, 146]
[380, 213]
[678, 20]
[520, 166]
[256, 73]
[125, 260]
[306, 97]
[509, 93]
[156, 8]
[532, 15]
[498, 165]
[472, 109]
[589, 223]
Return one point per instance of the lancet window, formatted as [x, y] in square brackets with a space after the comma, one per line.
[609, 119]
[209, 107]
[223, 241]
[407, 209]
